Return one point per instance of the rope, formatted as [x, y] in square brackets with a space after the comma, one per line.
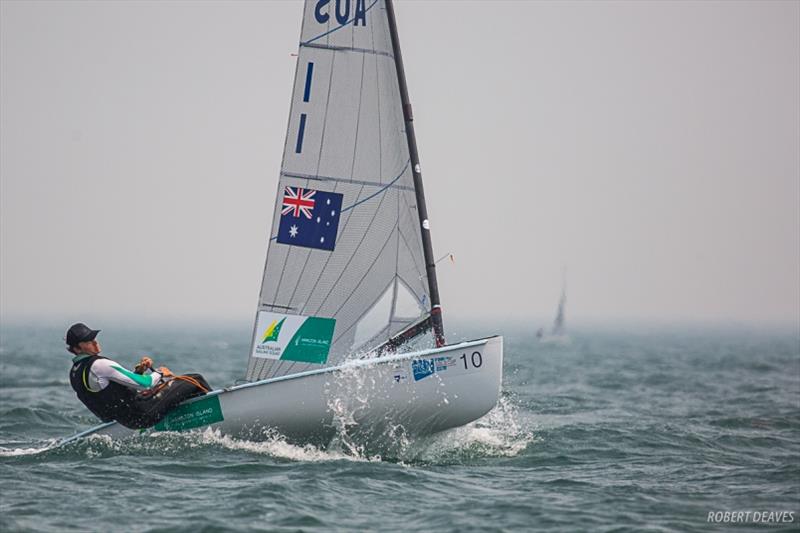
[193, 381]
[188, 379]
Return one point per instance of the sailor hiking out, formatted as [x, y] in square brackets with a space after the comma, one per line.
[134, 399]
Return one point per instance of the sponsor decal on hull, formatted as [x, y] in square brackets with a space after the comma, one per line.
[422, 368]
[466, 362]
[193, 415]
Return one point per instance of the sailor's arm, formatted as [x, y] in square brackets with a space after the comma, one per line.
[108, 369]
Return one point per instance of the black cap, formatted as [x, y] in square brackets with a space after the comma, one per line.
[80, 332]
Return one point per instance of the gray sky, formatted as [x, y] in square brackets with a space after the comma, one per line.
[650, 147]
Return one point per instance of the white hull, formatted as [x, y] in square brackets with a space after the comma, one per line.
[424, 392]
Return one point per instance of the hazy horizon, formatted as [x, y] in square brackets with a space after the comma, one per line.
[653, 148]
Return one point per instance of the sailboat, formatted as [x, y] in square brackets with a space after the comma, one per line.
[558, 333]
[350, 277]
[558, 323]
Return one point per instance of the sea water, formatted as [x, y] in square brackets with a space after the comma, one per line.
[663, 429]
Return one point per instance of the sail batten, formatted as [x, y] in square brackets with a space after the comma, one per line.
[348, 180]
[346, 266]
[347, 49]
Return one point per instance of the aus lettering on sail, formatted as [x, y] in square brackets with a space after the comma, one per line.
[341, 10]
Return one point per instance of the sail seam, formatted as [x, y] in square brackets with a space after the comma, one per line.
[366, 273]
[353, 291]
[352, 256]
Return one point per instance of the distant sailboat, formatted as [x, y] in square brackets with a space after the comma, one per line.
[558, 334]
[558, 323]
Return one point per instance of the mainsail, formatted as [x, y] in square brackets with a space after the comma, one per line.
[348, 267]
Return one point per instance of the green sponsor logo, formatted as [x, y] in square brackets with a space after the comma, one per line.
[192, 415]
[312, 341]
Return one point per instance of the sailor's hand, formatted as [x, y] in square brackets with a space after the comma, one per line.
[165, 372]
[143, 365]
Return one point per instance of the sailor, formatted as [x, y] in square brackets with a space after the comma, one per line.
[112, 392]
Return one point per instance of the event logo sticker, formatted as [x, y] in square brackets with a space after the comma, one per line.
[422, 368]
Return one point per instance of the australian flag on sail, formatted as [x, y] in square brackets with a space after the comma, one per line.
[309, 218]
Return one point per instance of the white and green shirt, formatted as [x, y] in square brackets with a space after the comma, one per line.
[104, 370]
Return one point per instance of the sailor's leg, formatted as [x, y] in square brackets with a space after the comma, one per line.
[153, 408]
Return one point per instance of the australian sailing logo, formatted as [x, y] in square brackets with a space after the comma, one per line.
[341, 9]
[309, 218]
[272, 331]
[293, 337]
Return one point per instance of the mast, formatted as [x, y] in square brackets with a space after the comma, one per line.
[427, 247]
